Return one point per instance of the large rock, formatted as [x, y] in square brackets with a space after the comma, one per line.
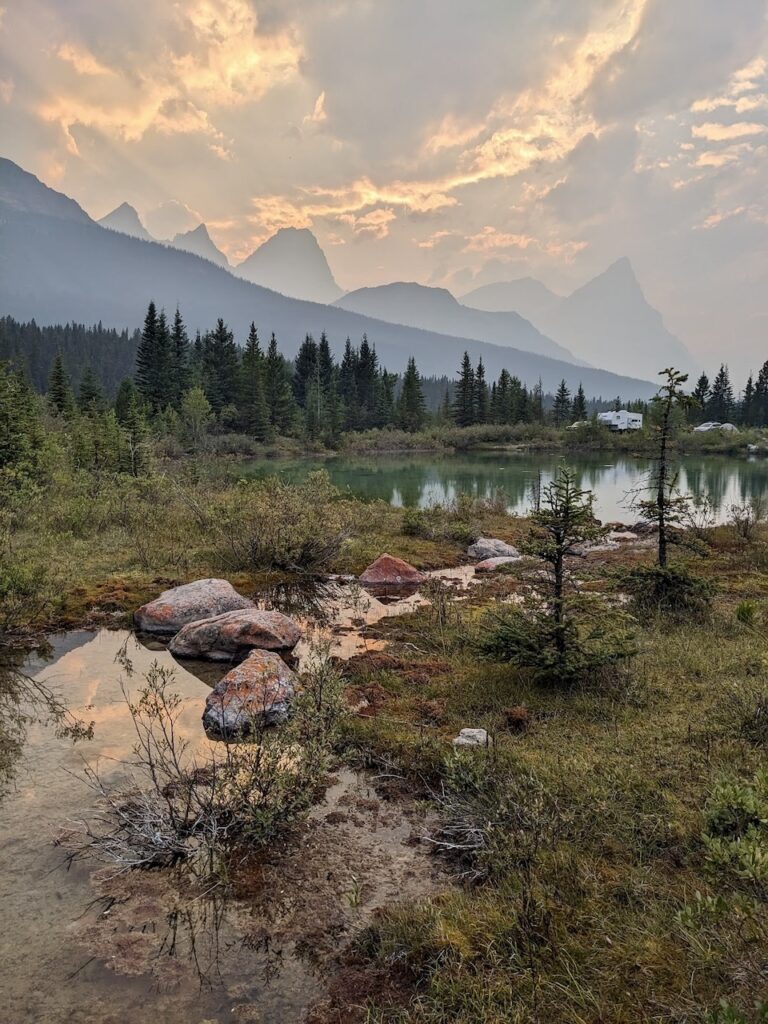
[189, 603]
[390, 571]
[492, 564]
[233, 634]
[471, 738]
[491, 547]
[255, 693]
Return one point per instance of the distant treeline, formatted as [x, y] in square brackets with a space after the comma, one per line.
[110, 354]
[254, 389]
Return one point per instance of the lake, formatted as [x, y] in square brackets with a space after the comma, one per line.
[420, 480]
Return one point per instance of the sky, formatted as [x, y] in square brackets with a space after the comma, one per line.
[449, 142]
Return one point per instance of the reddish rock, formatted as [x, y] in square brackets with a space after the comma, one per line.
[189, 603]
[255, 693]
[492, 564]
[234, 634]
[390, 571]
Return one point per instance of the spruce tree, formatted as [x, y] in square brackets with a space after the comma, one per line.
[721, 401]
[180, 361]
[60, 398]
[90, 397]
[700, 395]
[411, 408]
[220, 367]
[481, 394]
[579, 410]
[561, 410]
[126, 395]
[464, 395]
[277, 390]
[146, 356]
[305, 370]
[348, 393]
[252, 400]
[748, 403]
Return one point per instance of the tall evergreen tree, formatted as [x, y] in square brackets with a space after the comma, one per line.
[90, 396]
[748, 403]
[252, 399]
[561, 410]
[579, 409]
[305, 370]
[411, 409]
[179, 360]
[277, 390]
[60, 397]
[464, 394]
[220, 366]
[700, 394]
[482, 398]
[720, 406]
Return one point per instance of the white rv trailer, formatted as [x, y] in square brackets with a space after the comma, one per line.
[621, 420]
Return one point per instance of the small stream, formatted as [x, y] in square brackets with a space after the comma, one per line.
[84, 944]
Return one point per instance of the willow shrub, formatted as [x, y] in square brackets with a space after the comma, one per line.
[270, 524]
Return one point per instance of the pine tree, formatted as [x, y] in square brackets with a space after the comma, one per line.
[60, 397]
[220, 367]
[720, 406]
[561, 410]
[22, 438]
[385, 399]
[536, 404]
[277, 390]
[481, 394]
[367, 378]
[180, 361]
[761, 397]
[146, 356]
[579, 409]
[252, 400]
[126, 395]
[305, 370]
[464, 395]
[411, 408]
[90, 396]
[701, 394]
[748, 403]
[135, 459]
[350, 398]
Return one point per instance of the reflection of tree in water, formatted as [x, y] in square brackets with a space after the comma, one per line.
[24, 701]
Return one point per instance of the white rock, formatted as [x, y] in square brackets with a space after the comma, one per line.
[491, 547]
[471, 738]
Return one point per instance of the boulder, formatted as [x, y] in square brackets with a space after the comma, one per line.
[234, 634]
[189, 603]
[256, 692]
[492, 564]
[390, 571]
[471, 738]
[491, 547]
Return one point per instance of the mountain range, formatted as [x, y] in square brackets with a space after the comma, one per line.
[608, 321]
[59, 265]
[435, 309]
[199, 242]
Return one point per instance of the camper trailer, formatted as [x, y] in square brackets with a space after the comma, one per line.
[621, 420]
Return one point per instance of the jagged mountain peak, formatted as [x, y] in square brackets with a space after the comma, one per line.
[125, 218]
[293, 263]
[199, 241]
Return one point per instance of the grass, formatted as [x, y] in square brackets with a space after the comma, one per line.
[589, 894]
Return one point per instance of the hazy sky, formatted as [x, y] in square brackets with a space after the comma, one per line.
[434, 140]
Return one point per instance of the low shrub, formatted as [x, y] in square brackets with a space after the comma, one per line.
[670, 590]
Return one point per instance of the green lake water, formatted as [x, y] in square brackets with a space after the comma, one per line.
[420, 480]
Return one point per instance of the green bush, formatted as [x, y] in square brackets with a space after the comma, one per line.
[736, 832]
[265, 524]
[671, 590]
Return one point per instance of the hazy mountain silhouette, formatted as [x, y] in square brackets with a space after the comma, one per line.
[58, 265]
[607, 321]
[291, 262]
[435, 309]
[125, 219]
[200, 243]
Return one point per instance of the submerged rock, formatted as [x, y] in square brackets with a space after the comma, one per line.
[233, 634]
[390, 571]
[189, 603]
[471, 738]
[492, 564]
[255, 693]
[491, 547]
